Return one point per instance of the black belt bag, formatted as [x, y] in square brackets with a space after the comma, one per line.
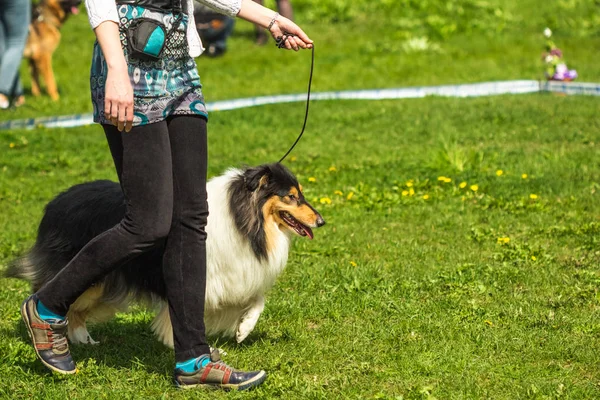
[146, 38]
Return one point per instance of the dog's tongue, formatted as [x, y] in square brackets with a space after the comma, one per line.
[74, 10]
[308, 231]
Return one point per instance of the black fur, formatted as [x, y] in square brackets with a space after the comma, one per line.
[247, 196]
[71, 220]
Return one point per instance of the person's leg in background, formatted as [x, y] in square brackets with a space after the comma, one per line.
[284, 7]
[143, 162]
[15, 17]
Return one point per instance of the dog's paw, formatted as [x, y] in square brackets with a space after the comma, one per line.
[244, 330]
[92, 341]
[81, 336]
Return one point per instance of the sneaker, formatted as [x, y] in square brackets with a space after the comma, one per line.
[49, 338]
[218, 375]
[4, 103]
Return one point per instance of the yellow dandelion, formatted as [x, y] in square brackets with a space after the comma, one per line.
[533, 258]
[405, 193]
[325, 200]
[533, 196]
[524, 176]
[447, 180]
[474, 187]
[312, 179]
[11, 145]
[293, 158]
[462, 185]
[499, 172]
[425, 197]
[339, 192]
[442, 178]
[349, 195]
[409, 183]
[411, 192]
[503, 240]
[489, 323]
[354, 264]
[332, 169]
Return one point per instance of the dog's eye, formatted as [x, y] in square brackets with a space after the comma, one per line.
[292, 197]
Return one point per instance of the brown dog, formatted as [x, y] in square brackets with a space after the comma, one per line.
[44, 36]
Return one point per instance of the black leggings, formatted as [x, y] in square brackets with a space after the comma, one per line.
[162, 170]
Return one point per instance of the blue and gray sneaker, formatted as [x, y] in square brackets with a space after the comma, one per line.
[49, 338]
[213, 373]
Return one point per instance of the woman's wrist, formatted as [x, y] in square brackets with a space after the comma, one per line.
[273, 20]
[255, 13]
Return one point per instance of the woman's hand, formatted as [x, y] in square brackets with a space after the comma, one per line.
[295, 38]
[280, 27]
[118, 99]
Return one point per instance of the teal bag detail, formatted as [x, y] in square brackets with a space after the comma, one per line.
[146, 38]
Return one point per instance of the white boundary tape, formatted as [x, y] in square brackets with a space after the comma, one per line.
[466, 90]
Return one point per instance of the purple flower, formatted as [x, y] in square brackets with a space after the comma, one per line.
[556, 52]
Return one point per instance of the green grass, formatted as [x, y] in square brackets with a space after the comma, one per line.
[401, 295]
[397, 295]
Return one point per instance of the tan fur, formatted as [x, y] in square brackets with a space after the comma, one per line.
[89, 307]
[269, 214]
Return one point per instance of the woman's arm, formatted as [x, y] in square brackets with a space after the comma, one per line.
[262, 16]
[118, 93]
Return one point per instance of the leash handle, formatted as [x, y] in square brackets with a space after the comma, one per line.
[280, 43]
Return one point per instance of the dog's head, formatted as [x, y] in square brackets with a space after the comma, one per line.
[280, 197]
[61, 8]
[70, 6]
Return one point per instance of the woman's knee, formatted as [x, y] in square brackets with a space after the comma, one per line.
[148, 230]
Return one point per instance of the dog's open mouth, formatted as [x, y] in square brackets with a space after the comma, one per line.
[296, 225]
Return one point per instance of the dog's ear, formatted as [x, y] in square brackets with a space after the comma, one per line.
[257, 177]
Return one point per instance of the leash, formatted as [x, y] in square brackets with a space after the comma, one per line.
[280, 43]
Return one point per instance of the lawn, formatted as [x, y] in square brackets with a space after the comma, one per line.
[461, 254]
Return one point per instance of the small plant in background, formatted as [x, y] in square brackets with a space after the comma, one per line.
[556, 67]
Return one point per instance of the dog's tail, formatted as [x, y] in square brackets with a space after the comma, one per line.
[29, 267]
[21, 268]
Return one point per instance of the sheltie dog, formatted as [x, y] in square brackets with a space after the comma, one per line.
[254, 212]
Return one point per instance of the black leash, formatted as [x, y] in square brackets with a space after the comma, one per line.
[280, 42]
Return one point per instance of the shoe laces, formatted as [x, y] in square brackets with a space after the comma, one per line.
[58, 337]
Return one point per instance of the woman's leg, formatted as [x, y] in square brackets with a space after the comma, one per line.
[184, 264]
[15, 16]
[285, 8]
[184, 260]
[143, 161]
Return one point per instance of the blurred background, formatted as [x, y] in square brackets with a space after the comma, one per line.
[363, 44]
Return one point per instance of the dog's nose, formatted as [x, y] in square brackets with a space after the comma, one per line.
[320, 221]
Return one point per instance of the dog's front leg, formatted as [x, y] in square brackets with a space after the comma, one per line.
[48, 74]
[35, 77]
[249, 319]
